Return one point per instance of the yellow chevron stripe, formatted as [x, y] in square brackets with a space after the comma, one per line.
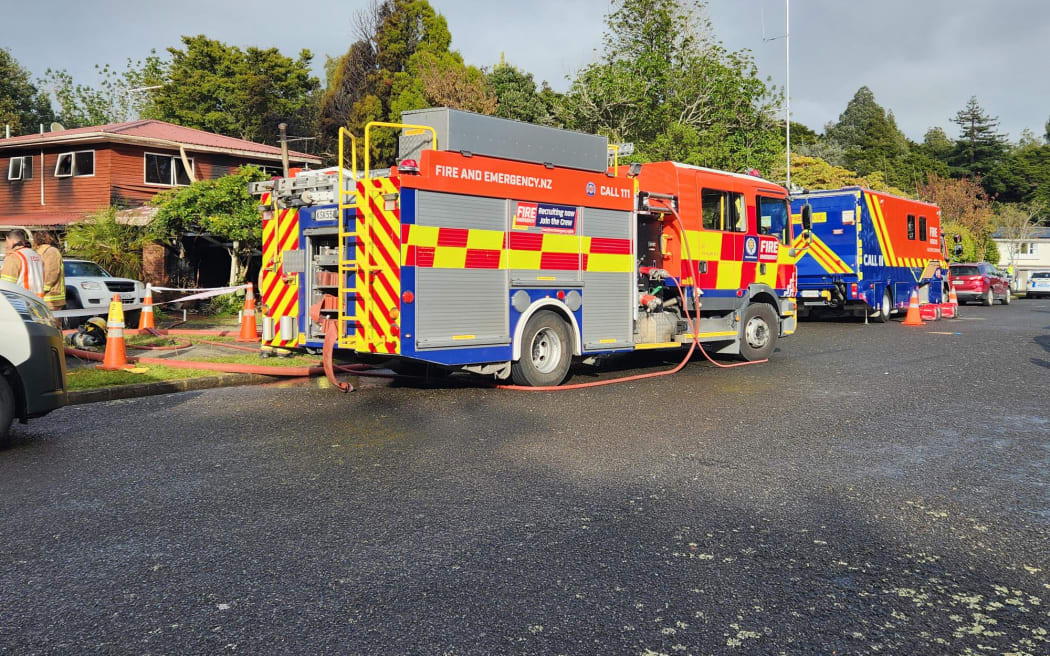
[875, 209]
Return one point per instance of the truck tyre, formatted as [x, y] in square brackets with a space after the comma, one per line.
[989, 298]
[7, 412]
[758, 332]
[883, 315]
[546, 351]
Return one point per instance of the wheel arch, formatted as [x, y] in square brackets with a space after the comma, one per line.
[10, 374]
[558, 308]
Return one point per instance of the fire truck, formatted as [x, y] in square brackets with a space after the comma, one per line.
[867, 252]
[510, 249]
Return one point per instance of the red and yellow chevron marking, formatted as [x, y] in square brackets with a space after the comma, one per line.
[462, 248]
[821, 253]
[280, 293]
[379, 261]
[881, 231]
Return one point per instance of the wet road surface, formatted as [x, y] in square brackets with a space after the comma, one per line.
[871, 490]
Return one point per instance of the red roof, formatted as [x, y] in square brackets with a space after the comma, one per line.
[153, 131]
[42, 219]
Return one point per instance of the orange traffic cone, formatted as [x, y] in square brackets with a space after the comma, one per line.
[116, 356]
[249, 332]
[146, 321]
[913, 318]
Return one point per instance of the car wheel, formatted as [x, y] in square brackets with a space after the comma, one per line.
[989, 298]
[546, 351]
[7, 412]
[1007, 297]
[885, 309]
[759, 330]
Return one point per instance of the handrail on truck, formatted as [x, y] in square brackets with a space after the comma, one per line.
[615, 148]
[396, 126]
[353, 161]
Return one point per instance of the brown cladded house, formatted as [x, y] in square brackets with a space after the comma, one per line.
[52, 179]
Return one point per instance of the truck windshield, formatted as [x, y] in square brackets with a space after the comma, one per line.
[74, 269]
[965, 271]
[773, 218]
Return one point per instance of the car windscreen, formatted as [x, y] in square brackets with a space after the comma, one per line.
[74, 269]
[1041, 274]
[965, 271]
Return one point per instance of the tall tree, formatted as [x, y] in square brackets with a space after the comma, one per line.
[22, 105]
[937, 145]
[213, 86]
[401, 60]
[664, 83]
[517, 94]
[1023, 176]
[980, 147]
[118, 95]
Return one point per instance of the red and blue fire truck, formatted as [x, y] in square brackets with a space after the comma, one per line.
[866, 252]
[511, 249]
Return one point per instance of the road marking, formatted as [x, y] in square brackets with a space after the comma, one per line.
[934, 332]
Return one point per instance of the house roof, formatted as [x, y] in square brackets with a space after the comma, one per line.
[157, 133]
[40, 219]
[1039, 232]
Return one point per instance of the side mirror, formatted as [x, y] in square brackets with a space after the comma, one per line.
[807, 217]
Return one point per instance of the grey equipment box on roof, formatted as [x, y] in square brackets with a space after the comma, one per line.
[504, 138]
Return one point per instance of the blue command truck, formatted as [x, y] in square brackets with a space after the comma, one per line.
[866, 252]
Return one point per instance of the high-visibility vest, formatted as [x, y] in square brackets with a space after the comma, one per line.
[31, 273]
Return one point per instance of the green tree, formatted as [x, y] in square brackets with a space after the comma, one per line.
[517, 94]
[401, 60]
[22, 105]
[980, 147]
[221, 207]
[937, 145]
[213, 86]
[118, 96]
[1024, 176]
[665, 84]
[116, 246]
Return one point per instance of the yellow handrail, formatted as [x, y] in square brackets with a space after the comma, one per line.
[353, 163]
[398, 126]
[615, 148]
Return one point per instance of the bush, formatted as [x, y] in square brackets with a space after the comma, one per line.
[116, 247]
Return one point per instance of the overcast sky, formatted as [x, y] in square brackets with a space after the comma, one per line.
[923, 59]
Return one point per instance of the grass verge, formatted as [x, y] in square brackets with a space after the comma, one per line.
[84, 378]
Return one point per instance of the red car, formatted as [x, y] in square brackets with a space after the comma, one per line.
[979, 282]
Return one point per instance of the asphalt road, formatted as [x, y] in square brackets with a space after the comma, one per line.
[872, 490]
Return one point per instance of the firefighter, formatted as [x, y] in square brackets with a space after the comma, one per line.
[22, 265]
[54, 277]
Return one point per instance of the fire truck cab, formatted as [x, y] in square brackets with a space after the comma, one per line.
[510, 249]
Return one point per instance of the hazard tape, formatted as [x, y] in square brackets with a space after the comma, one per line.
[202, 294]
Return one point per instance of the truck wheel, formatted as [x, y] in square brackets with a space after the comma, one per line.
[759, 331]
[883, 315]
[7, 412]
[989, 298]
[546, 351]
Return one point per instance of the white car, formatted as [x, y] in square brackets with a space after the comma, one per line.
[32, 363]
[1038, 284]
[89, 286]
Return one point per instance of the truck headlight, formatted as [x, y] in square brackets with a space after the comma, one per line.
[90, 284]
[31, 310]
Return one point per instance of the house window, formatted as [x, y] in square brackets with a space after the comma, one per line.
[76, 164]
[723, 210]
[923, 235]
[911, 226]
[1026, 248]
[20, 168]
[166, 170]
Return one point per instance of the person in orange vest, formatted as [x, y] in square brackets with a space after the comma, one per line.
[22, 265]
[54, 276]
